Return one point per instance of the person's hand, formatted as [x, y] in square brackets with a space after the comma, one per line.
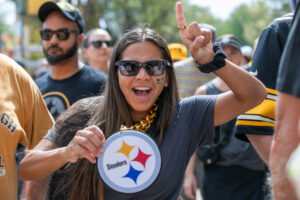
[87, 143]
[190, 186]
[197, 40]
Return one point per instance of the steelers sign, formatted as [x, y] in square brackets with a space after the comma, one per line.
[130, 162]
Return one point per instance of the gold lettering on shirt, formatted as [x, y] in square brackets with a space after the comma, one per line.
[9, 123]
[2, 170]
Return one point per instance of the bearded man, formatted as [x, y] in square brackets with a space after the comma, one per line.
[68, 79]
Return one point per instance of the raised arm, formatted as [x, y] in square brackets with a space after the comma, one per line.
[246, 91]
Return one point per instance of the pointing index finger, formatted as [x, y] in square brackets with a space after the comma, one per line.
[179, 14]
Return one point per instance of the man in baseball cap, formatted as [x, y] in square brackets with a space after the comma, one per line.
[68, 80]
[229, 39]
[66, 9]
[232, 48]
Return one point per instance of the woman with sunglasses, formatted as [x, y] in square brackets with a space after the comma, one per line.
[140, 94]
[97, 49]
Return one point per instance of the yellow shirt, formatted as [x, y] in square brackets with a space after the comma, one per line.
[24, 118]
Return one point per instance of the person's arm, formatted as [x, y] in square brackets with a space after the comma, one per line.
[200, 90]
[190, 182]
[246, 91]
[262, 145]
[36, 159]
[37, 190]
[284, 142]
[38, 163]
[45, 158]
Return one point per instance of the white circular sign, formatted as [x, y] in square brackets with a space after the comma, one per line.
[130, 162]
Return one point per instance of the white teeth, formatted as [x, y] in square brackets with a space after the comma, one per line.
[142, 89]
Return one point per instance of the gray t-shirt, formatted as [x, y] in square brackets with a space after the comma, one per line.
[193, 125]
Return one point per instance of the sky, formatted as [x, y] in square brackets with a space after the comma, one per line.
[8, 9]
[220, 8]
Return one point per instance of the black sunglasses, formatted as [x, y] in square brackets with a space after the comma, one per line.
[152, 67]
[61, 34]
[99, 43]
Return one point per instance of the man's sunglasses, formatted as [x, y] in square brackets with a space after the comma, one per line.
[152, 67]
[61, 34]
[99, 43]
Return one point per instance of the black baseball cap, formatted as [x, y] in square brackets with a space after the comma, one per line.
[229, 40]
[65, 8]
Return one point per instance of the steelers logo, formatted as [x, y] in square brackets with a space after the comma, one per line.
[130, 162]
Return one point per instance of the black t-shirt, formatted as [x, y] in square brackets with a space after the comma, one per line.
[288, 80]
[192, 125]
[61, 94]
[261, 119]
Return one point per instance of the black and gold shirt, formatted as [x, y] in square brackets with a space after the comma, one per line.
[261, 119]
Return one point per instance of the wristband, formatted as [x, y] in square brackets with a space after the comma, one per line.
[217, 63]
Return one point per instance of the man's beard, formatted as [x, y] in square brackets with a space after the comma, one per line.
[54, 59]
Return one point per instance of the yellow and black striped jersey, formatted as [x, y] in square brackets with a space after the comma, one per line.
[261, 119]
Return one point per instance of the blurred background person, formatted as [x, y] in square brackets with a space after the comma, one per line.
[97, 49]
[233, 49]
[178, 51]
[232, 169]
[2, 47]
[42, 69]
[247, 52]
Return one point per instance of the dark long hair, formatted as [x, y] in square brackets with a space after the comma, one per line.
[114, 111]
[81, 179]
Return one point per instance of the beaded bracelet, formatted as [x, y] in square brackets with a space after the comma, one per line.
[217, 63]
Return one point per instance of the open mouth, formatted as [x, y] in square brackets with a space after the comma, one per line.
[142, 91]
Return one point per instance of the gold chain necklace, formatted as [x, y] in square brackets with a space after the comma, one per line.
[144, 124]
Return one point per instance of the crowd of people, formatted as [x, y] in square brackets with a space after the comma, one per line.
[143, 119]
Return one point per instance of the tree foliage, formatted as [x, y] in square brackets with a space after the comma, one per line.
[278, 7]
[3, 26]
[91, 13]
[121, 15]
[246, 22]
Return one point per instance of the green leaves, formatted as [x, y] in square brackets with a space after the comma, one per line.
[246, 21]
